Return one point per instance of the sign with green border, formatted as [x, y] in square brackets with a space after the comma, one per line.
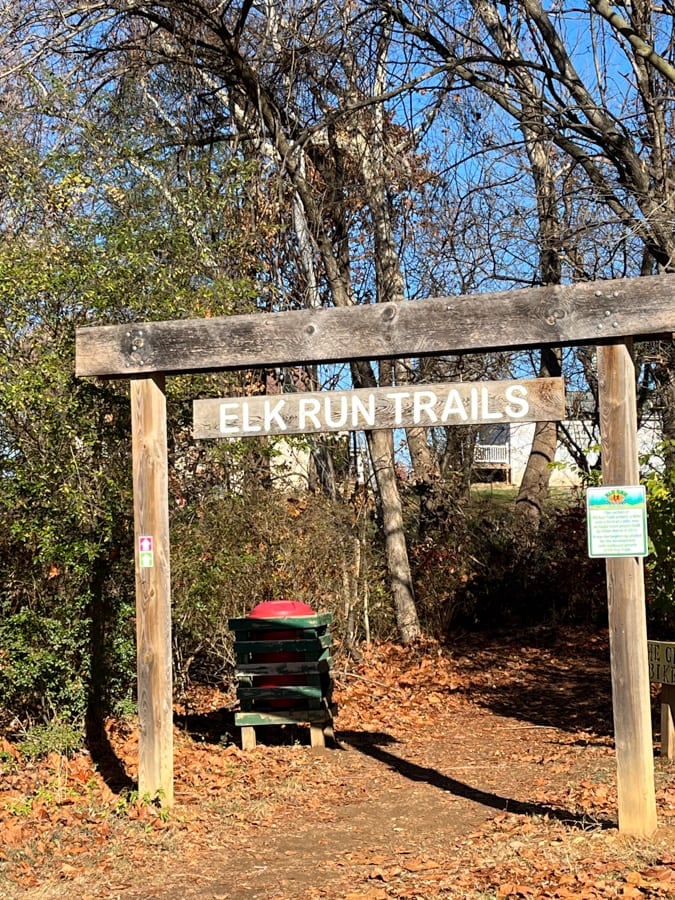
[617, 521]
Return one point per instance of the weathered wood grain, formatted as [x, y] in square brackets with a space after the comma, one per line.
[153, 590]
[248, 738]
[431, 405]
[554, 315]
[626, 600]
[316, 736]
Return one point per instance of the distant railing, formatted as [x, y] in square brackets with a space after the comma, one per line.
[492, 454]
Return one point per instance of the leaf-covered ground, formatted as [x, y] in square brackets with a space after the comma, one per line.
[480, 769]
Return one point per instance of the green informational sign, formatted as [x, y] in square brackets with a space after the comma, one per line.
[617, 521]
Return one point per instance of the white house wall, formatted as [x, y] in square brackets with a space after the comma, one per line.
[290, 461]
[565, 473]
[522, 436]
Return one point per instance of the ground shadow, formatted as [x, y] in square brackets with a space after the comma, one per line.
[373, 744]
[215, 727]
[558, 678]
[218, 727]
[110, 767]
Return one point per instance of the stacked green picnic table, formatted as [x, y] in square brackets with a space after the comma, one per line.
[283, 674]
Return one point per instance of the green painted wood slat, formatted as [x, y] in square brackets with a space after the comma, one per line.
[314, 645]
[287, 717]
[322, 665]
[320, 620]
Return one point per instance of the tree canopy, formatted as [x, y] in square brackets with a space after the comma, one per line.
[181, 159]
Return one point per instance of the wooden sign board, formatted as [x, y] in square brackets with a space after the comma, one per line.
[661, 655]
[425, 406]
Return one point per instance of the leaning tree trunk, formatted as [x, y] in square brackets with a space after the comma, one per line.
[534, 485]
[381, 448]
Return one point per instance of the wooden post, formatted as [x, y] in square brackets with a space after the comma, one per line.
[667, 721]
[153, 589]
[626, 599]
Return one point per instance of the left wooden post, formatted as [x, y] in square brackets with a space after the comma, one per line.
[153, 588]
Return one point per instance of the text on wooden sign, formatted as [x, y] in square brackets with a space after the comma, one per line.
[428, 406]
[661, 655]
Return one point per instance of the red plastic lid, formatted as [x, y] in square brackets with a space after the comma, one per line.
[279, 609]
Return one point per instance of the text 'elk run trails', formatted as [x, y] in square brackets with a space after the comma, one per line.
[422, 406]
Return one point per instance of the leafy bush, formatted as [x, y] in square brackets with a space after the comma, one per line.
[65, 518]
[488, 567]
[76, 250]
[236, 551]
[55, 737]
[39, 672]
[660, 564]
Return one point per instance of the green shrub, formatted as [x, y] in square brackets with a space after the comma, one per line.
[239, 550]
[55, 737]
[488, 567]
[40, 672]
[660, 564]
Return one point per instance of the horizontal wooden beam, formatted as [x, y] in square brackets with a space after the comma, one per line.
[426, 406]
[592, 312]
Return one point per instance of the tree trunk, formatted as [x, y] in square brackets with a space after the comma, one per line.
[425, 466]
[381, 449]
[534, 486]
[376, 150]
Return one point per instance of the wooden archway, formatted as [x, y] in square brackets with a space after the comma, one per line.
[609, 314]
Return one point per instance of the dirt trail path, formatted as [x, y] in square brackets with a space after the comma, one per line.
[458, 775]
[393, 814]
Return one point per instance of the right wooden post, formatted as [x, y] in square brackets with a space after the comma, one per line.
[626, 601]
